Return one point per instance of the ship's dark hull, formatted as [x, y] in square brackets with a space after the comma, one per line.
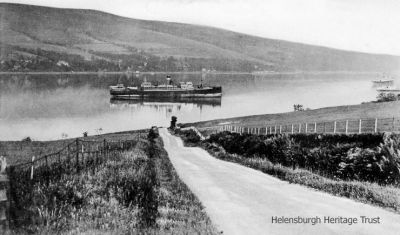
[212, 101]
[163, 93]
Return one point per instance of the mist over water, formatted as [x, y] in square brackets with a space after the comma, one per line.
[44, 107]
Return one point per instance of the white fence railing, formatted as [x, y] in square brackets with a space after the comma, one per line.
[354, 126]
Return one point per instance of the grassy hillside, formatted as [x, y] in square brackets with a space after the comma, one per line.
[361, 111]
[140, 44]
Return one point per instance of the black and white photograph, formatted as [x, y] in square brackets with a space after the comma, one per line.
[234, 117]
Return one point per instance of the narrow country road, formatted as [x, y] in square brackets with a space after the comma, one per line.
[240, 200]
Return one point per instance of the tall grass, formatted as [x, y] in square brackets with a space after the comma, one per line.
[135, 191]
[106, 199]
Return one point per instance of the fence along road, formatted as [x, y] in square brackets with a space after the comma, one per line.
[73, 157]
[353, 126]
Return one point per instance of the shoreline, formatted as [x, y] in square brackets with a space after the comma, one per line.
[182, 72]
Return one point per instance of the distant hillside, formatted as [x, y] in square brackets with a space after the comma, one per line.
[93, 40]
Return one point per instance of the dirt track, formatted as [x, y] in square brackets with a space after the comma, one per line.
[241, 200]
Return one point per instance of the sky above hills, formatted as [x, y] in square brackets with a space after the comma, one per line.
[359, 25]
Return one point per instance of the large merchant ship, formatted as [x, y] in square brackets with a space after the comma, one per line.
[169, 90]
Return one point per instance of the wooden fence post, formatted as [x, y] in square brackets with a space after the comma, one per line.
[376, 125]
[32, 166]
[77, 155]
[104, 148]
[4, 196]
[334, 127]
[83, 155]
[280, 129]
[292, 129]
[299, 128]
[315, 127]
[347, 127]
[359, 127]
[306, 127]
[275, 130]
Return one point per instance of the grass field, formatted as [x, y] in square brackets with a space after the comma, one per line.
[22, 151]
[362, 111]
[131, 191]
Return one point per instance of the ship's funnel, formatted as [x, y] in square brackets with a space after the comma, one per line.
[169, 79]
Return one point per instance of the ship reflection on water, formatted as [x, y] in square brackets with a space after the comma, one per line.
[166, 105]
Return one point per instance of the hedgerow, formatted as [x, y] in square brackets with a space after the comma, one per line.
[366, 157]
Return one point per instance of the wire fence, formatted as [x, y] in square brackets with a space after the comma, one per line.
[350, 126]
[77, 155]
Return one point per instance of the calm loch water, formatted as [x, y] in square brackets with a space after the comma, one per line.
[46, 107]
